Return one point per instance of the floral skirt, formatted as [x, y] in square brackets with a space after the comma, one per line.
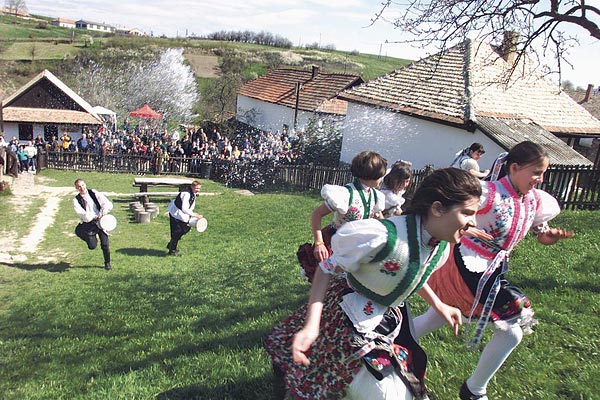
[333, 364]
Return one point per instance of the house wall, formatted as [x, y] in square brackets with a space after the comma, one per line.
[269, 116]
[12, 129]
[397, 136]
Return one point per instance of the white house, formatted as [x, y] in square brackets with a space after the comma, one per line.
[46, 106]
[289, 98]
[64, 22]
[428, 110]
[94, 26]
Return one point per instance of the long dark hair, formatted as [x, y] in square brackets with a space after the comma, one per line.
[398, 174]
[449, 186]
[524, 153]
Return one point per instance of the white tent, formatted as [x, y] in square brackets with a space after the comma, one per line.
[108, 116]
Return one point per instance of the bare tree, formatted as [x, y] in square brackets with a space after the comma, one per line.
[15, 7]
[541, 25]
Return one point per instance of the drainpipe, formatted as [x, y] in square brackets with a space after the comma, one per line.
[298, 87]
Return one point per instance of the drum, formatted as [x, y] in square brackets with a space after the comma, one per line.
[199, 224]
[108, 223]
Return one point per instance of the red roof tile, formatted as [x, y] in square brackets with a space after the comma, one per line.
[317, 93]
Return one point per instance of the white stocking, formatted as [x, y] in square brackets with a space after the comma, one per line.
[427, 322]
[492, 357]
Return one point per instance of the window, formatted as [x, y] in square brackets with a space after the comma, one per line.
[49, 131]
[25, 132]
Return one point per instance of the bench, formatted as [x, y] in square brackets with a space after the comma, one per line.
[145, 183]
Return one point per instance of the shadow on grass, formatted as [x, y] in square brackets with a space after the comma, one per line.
[550, 284]
[254, 389]
[130, 251]
[54, 267]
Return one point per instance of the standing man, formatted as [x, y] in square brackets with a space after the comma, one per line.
[181, 209]
[90, 205]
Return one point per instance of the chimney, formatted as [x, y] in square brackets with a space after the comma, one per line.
[588, 93]
[315, 71]
[509, 46]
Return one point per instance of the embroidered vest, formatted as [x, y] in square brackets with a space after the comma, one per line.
[396, 271]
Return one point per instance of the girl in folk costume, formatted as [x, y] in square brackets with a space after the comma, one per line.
[473, 278]
[354, 201]
[355, 341]
[468, 158]
[394, 185]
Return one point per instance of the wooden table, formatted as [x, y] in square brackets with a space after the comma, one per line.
[145, 183]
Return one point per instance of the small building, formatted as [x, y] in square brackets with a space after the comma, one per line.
[290, 98]
[22, 12]
[46, 106]
[94, 26]
[64, 22]
[129, 32]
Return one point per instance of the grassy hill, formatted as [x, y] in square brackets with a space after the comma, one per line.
[27, 46]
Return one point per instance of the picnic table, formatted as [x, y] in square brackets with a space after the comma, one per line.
[145, 183]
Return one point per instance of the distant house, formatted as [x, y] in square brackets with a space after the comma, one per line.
[64, 22]
[46, 106]
[11, 11]
[290, 98]
[94, 26]
[428, 110]
[129, 32]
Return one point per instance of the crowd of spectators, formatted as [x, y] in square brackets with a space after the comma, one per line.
[185, 141]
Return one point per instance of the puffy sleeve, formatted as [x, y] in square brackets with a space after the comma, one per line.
[547, 207]
[336, 198]
[469, 164]
[356, 243]
[381, 201]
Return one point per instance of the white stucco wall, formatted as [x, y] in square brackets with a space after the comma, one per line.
[397, 136]
[269, 116]
[12, 129]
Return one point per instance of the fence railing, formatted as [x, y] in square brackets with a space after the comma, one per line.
[575, 187]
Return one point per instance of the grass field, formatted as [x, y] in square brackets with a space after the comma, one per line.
[193, 327]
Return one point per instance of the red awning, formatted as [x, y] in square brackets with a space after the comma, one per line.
[145, 112]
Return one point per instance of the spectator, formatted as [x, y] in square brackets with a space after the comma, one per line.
[31, 152]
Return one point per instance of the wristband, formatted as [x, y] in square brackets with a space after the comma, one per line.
[319, 243]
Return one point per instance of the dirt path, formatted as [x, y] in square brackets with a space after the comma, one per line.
[25, 192]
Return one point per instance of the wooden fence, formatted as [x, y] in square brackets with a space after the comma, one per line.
[575, 187]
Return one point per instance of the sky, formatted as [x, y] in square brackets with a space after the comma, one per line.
[344, 23]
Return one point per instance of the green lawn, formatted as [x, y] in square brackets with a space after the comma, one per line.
[193, 327]
[38, 51]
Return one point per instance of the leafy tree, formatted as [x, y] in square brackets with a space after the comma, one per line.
[219, 97]
[540, 24]
[321, 143]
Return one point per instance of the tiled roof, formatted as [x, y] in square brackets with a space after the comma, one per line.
[44, 115]
[507, 132]
[461, 84]
[592, 104]
[433, 87]
[278, 86]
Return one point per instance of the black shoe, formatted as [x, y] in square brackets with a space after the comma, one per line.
[107, 266]
[465, 394]
[174, 253]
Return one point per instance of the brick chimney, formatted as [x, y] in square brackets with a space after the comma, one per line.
[315, 71]
[588, 93]
[509, 46]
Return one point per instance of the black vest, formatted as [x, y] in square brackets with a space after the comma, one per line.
[178, 199]
[81, 202]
